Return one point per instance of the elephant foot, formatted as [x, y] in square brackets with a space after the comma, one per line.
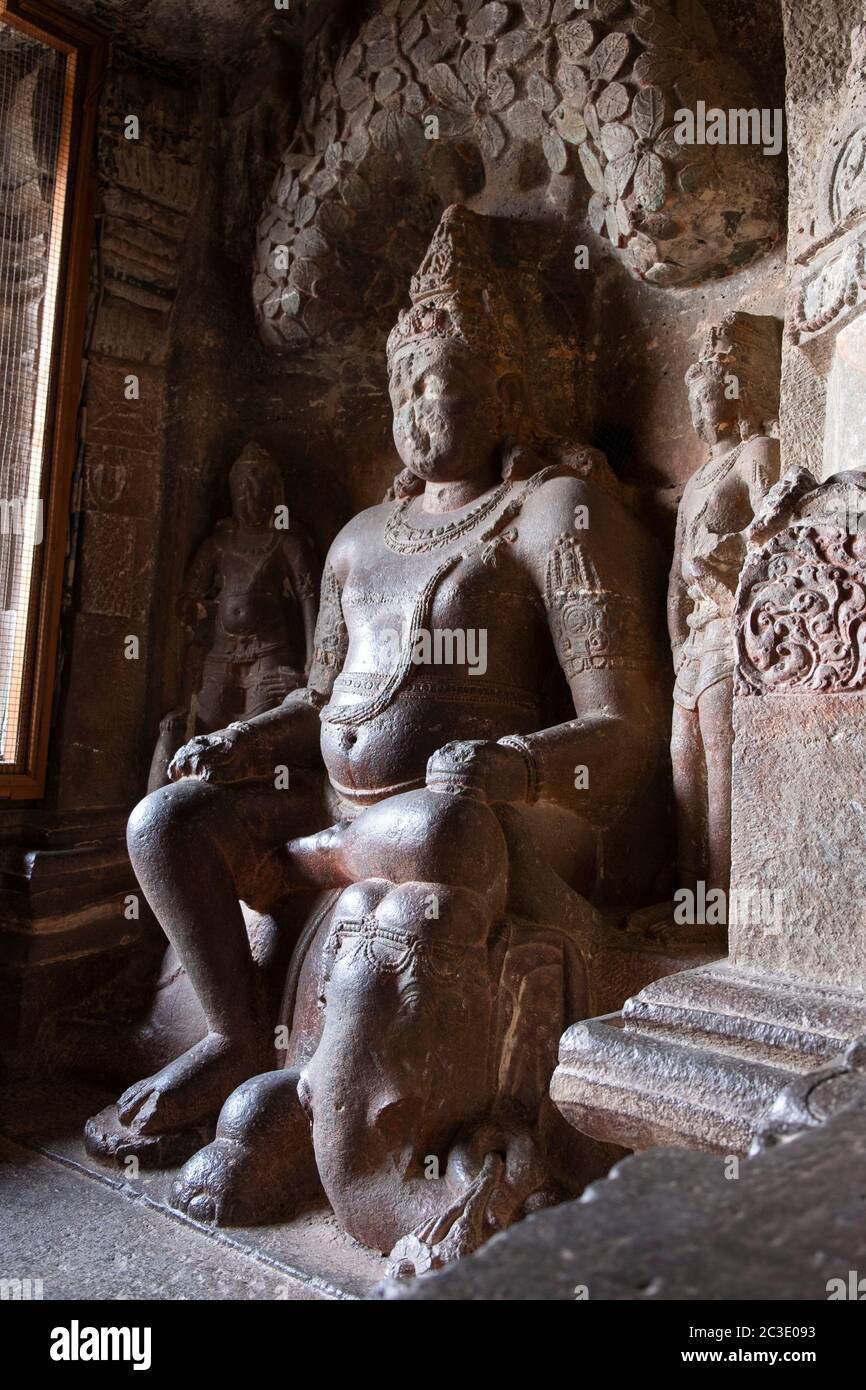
[510, 1182]
[260, 1168]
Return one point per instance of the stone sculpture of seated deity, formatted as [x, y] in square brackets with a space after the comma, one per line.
[449, 816]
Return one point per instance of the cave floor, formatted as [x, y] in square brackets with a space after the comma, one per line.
[88, 1232]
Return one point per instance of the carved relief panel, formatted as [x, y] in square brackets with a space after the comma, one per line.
[829, 293]
[514, 108]
[801, 605]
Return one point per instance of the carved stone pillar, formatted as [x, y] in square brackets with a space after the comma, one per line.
[698, 1058]
[823, 415]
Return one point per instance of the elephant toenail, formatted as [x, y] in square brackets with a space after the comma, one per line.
[202, 1208]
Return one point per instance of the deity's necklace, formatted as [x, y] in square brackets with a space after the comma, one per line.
[723, 466]
[486, 543]
[412, 540]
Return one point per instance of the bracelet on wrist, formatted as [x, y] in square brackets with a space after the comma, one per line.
[523, 748]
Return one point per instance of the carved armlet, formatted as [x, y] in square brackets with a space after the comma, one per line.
[594, 628]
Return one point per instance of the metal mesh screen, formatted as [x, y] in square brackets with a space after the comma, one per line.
[35, 120]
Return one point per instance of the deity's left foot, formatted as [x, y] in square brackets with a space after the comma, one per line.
[166, 1117]
[260, 1167]
[108, 1139]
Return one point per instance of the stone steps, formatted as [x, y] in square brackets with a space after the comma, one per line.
[697, 1059]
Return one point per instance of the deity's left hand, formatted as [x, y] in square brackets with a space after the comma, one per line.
[488, 771]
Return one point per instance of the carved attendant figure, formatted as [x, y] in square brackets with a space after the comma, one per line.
[734, 399]
[251, 592]
[439, 807]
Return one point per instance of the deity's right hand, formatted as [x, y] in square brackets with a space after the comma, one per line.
[224, 756]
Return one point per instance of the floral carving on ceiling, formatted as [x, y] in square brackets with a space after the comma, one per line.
[587, 93]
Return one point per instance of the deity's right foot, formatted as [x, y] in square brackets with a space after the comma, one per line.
[166, 1117]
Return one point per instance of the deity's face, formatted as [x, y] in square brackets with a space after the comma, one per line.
[714, 415]
[255, 490]
[448, 410]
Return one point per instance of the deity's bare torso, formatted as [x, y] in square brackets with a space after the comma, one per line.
[489, 604]
[500, 694]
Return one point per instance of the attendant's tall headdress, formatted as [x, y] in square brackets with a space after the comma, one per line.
[749, 348]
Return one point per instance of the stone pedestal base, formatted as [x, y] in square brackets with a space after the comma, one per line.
[696, 1059]
[65, 928]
